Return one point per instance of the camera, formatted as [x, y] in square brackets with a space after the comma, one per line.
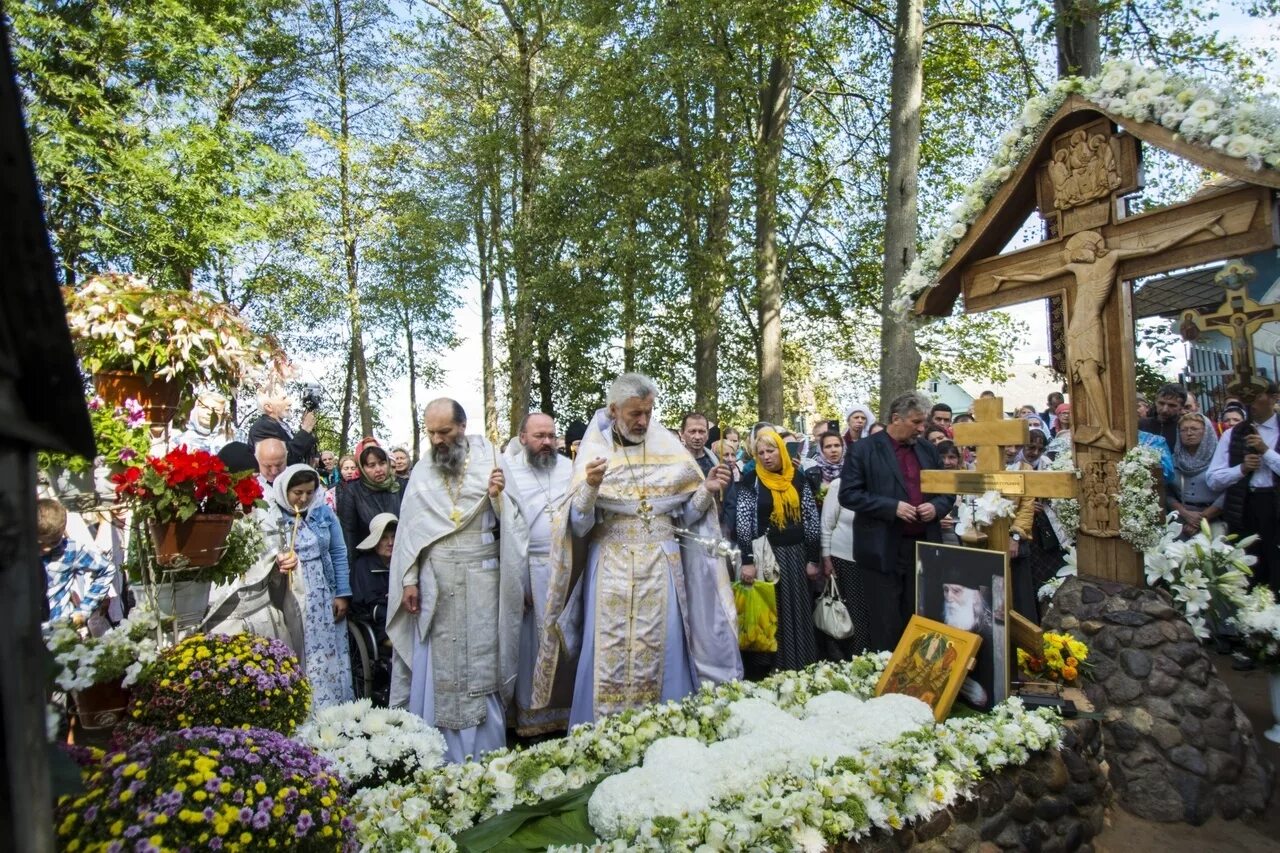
[311, 397]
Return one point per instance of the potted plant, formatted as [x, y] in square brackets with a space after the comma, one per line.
[209, 788]
[188, 499]
[236, 681]
[121, 436]
[99, 671]
[148, 343]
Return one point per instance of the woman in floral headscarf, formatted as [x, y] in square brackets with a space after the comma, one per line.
[776, 500]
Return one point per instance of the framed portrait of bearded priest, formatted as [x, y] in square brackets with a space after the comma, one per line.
[970, 589]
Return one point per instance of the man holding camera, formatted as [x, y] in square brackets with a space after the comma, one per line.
[270, 424]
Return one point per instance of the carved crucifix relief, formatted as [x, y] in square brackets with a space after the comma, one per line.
[1237, 319]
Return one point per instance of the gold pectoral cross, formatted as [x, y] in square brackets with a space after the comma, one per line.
[456, 517]
[644, 511]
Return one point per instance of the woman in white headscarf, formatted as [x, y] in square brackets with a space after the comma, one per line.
[316, 555]
[857, 422]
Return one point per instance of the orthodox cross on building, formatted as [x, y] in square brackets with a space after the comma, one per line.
[1077, 175]
[1237, 319]
[990, 433]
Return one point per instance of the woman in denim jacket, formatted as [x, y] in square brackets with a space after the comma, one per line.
[315, 556]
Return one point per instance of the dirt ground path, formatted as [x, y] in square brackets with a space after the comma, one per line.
[1126, 833]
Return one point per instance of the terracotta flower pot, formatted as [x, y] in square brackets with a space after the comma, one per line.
[199, 539]
[158, 397]
[102, 705]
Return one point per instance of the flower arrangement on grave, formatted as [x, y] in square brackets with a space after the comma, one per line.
[805, 801]
[1201, 113]
[120, 322]
[371, 747]
[120, 433]
[1062, 659]
[977, 512]
[118, 655]
[234, 681]
[1207, 575]
[208, 788]
[1258, 620]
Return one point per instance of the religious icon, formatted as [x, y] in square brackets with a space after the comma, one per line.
[930, 663]
[965, 588]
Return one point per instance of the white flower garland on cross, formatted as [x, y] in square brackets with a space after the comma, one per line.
[1211, 116]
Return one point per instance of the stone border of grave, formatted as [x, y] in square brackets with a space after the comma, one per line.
[1178, 746]
[1056, 802]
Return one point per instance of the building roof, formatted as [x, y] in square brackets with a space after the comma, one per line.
[1028, 384]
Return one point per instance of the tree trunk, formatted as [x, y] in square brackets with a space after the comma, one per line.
[546, 403]
[486, 320]
[347, 222]
[1079, 42]
[775, 112]
[899, 358]
[346, 399]
[407, 325]
[520, 356]
[716, 254]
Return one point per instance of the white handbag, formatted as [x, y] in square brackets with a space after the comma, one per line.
[766, 562]
[830, 616]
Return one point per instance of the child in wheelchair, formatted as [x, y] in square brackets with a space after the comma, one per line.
[370, 575]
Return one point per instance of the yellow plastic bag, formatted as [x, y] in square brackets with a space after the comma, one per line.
[757, 605]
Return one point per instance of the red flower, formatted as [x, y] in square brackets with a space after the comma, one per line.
[248, 490]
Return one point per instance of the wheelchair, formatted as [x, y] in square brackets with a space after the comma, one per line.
[370, 654]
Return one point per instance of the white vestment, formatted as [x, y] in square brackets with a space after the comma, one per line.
[533, 497]
[455, 660]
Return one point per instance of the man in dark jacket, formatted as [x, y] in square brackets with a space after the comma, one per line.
[880, 482]
[275, 408]
[1169, 402]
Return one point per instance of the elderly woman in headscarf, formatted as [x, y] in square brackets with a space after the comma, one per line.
[775, 502]
[857, 421]
[1197, 441]
[375, 492]
[315, 556]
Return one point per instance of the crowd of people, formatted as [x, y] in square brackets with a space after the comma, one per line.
[566, 575]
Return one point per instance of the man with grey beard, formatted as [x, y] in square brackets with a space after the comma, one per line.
[456, 599]
[539, 485]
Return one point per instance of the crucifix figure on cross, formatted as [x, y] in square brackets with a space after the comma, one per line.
[1095, 266]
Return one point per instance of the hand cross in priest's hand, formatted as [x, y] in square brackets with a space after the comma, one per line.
[595, 471]
[496, 482]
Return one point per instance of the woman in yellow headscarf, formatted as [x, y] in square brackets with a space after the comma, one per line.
[776, 501]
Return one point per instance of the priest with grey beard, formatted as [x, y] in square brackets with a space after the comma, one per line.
[456, 598]
[535, 498]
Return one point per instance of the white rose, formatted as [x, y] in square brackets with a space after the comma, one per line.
[1219, 143]
[1202, 108]
[1243, 145]
[1210, 126]
[1114, 79]
[1004, 173]
[957, 230]
[1172, 118]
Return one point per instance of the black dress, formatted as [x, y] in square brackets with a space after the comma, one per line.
[795, 545]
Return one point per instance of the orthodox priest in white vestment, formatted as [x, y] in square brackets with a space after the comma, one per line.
[651, 619]
[455, 659]
[535, 495]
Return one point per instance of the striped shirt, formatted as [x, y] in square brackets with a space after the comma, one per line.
[66, 565]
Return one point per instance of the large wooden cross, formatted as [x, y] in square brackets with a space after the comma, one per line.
[990, 433]
[1094, 253]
